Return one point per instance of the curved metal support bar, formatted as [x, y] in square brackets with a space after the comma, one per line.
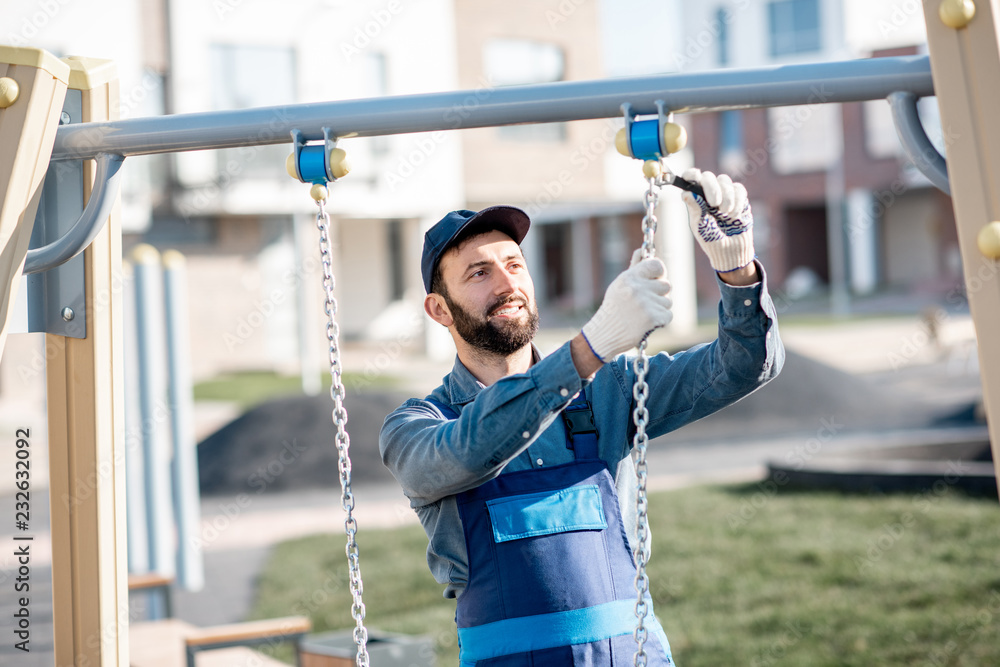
[106, 184]
[916, 145]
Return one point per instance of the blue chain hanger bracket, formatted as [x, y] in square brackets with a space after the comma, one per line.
[317, 163]
[651, 140]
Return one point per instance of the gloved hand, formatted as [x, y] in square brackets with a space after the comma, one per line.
[634, 304]
[722, 221]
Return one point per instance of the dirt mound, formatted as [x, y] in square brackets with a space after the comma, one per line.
[809, 395]
[288, 443]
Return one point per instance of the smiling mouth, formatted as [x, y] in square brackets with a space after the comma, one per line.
[507, 310]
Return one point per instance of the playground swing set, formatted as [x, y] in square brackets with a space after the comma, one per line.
[58, 112]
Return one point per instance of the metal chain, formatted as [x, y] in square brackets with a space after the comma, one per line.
[343, 440]
[640, 415]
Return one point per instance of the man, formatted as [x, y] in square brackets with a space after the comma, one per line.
[519, 467]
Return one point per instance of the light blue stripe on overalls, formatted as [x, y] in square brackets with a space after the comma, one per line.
[561, 628]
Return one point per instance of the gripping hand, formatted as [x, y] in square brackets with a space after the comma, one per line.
[635, 303]
[721, 221]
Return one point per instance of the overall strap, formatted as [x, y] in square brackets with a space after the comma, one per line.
[581, 430]
[448, 411]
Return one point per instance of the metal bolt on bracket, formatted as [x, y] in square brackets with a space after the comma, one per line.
[68, 314]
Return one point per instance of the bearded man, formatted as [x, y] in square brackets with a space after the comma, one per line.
[519, 467]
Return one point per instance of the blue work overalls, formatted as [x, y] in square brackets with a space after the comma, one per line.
[551, 576]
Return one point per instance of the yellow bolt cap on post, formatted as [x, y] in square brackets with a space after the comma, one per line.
[145, 254]
[675, 138]
[621, 142]
[340, 166]
[956, 13]
[290, 165]
[318, 192]
[652, 168]
[988, 240]
[173, 259]
[9, 90]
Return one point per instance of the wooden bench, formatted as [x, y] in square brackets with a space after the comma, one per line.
[251, 633]
[156, 584]
[173, 643]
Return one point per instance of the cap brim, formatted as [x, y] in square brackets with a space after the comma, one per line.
[512, 221]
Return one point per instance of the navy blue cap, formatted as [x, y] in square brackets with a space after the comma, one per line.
[512, 221]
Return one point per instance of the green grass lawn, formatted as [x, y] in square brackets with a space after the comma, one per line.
[739, 576]
[251, 388]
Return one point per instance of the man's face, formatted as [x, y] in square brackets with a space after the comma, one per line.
[490, 294]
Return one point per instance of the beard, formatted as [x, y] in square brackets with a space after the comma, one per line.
[497, 337]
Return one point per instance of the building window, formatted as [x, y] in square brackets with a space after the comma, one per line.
[237, 72]
[793, 26]
[722, 43]
[375, 83]
[394, 241]
[557, 249]
[517, 62]
[731, 152]
[804, 138]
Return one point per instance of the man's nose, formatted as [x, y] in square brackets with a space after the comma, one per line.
[505, 282]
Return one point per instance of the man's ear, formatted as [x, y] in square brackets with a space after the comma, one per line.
[437, 309]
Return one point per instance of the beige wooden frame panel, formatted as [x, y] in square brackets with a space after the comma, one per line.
[965, 64]
[86, 438]
[27, 132]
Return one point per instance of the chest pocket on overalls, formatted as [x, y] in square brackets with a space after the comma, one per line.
[547, 513]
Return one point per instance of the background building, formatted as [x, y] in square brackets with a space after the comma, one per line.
[834, 199]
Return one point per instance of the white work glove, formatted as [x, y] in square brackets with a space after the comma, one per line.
[635, 303]
[722, 221]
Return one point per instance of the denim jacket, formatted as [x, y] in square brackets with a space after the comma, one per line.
[513, 424]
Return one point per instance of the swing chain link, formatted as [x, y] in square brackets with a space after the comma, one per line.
[338, 393]
[640, 415]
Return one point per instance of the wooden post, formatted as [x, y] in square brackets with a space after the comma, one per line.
[965, 63]
[32, 88]
[86, 437]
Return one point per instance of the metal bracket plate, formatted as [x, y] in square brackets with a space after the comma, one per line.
[56, 299]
